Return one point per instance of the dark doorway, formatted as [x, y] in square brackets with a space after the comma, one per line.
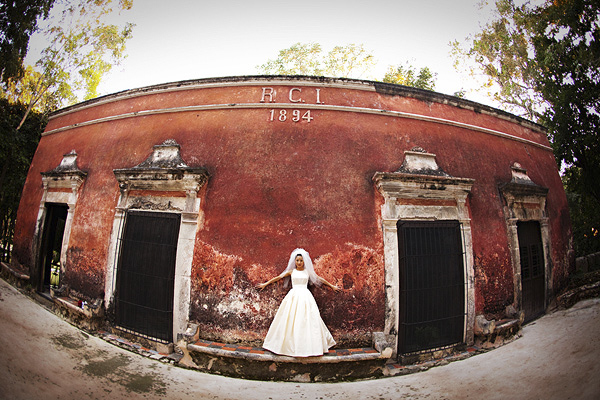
[146, 274]
[50, 250]
[432, 285]
[533, 280]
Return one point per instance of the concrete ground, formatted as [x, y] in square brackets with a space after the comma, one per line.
[42, 356]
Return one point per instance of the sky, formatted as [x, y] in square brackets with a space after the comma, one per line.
[177, 40]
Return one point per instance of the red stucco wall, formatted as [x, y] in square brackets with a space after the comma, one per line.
[275, 186]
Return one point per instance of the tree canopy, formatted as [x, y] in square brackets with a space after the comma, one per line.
[16, 151]
[503, 54]
[18, 21]
[82, 46]
[566, 38]
[349, 61]
[408, 76]
[544, 61]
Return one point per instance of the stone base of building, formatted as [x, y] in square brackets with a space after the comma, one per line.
[14, 274]
[259, 364]
[430, 355]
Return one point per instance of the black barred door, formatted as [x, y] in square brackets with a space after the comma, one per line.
[146, 274]
[533, 281]
[432, 285]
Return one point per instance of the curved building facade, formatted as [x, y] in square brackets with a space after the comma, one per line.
[163, 207]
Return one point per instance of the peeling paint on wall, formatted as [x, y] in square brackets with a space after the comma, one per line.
[494, 285]
[83, 274]
[224, 297]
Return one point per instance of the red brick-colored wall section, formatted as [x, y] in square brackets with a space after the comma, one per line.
[276, 185]
[23, 245]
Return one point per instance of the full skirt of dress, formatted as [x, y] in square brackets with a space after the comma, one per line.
[297, 329]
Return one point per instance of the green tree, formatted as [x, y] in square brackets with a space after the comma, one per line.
[18, 21]
[502, 53]
[582, 206]
[350, 61]
[566, 38]
[545, 61]
[82, 47]
[18, 149]
[408, 76]
[299, 59]
[567, 55]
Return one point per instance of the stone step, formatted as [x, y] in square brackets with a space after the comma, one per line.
[257, 363]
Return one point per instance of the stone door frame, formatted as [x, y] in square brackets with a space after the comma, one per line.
[61, 186]
[163, 183]
[525, 201]
[421, 191]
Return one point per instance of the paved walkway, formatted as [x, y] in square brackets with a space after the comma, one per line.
[44, 357]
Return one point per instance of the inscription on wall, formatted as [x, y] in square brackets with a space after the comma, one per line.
[294, 95]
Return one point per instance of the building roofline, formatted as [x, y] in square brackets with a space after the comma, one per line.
[355, 84]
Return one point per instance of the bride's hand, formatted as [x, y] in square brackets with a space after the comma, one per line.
[335, 288]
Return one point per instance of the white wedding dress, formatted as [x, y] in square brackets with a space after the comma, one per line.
[297, 329]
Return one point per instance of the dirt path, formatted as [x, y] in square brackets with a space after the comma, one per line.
[44, 357]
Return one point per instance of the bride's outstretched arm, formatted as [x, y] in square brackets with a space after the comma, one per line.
[261, 286]
[332, 287]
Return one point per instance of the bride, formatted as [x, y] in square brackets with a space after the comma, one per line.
[297, 329]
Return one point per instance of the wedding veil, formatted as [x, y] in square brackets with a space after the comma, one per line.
[308, 265]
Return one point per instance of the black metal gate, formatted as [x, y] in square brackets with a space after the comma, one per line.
[146, 274]
[533, 281]
[432, 285]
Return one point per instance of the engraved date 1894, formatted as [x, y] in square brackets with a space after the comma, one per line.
[283, 115]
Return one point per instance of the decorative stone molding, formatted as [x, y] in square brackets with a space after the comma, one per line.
[61, 185]
[418, 161]
[162, 182]
[421, 190]
[524, 200]
[163, 171]
[66, 176]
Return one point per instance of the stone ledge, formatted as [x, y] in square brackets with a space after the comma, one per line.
[10, 271]
[259, 364]
[85, 316]
[396, 369]
[166, 354]
[498, 333]
[73, 306]
[569, 298]
[260, 354]
[248, 362]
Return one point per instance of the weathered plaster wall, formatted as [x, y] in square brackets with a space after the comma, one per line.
[225, 303]
[277, 185]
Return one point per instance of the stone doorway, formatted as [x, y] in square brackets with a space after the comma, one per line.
[51, 246]
[529, 241]
[162, 184]
[421, 192]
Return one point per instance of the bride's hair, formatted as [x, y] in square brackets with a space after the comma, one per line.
[308, 265]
